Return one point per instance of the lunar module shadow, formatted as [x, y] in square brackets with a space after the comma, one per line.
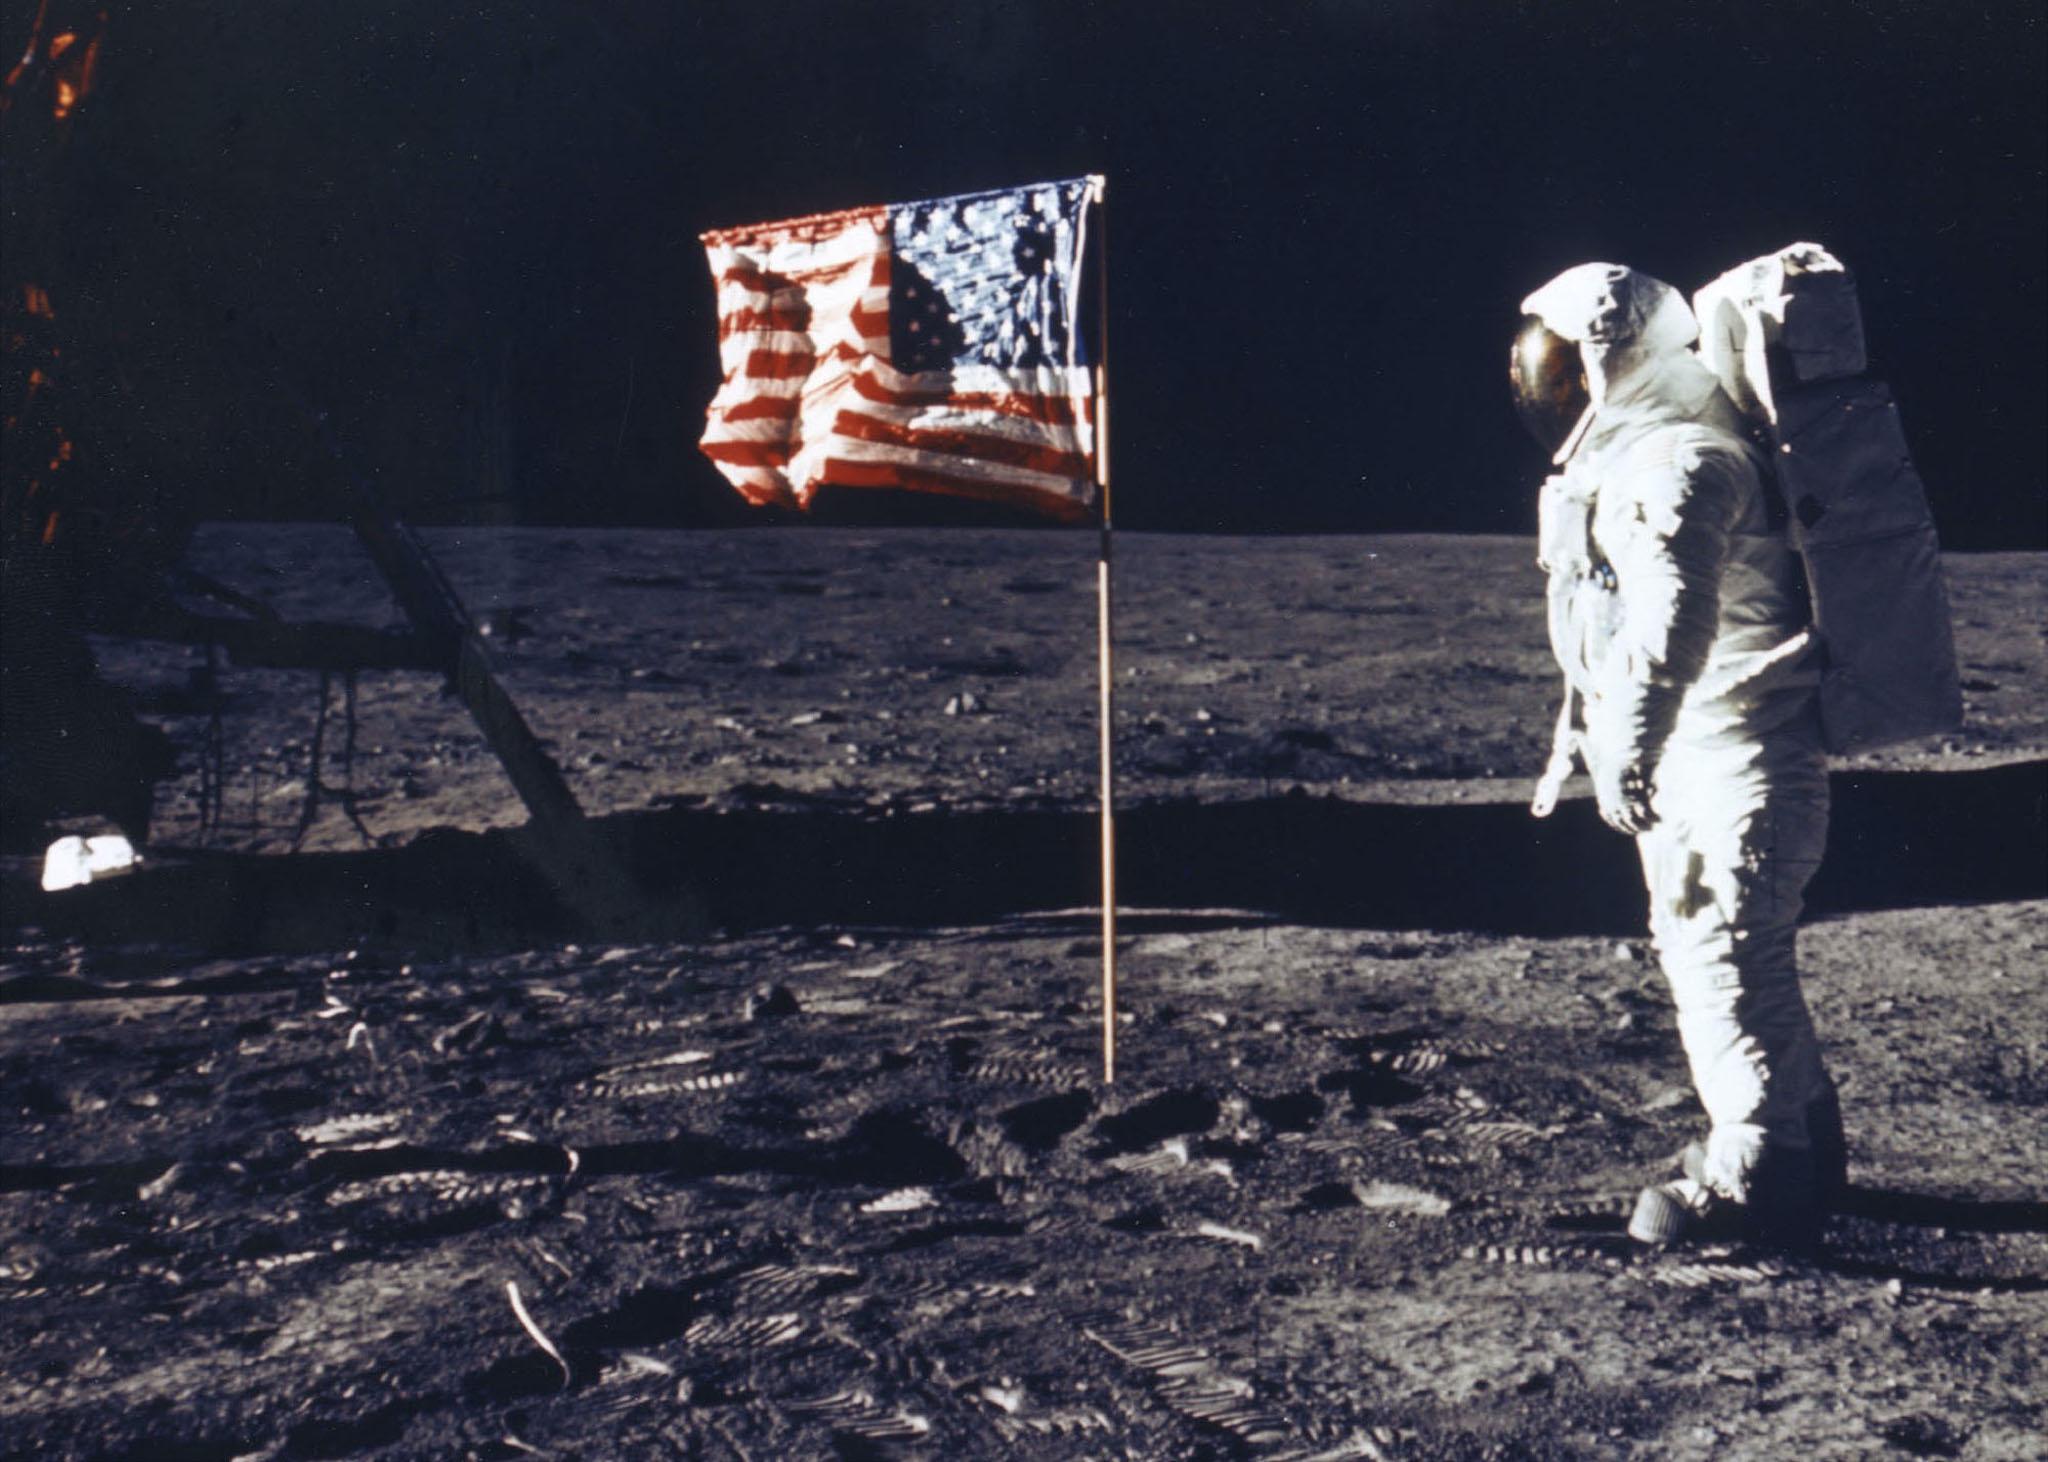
[1897, 840]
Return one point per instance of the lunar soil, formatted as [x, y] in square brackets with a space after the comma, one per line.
[330, 1132]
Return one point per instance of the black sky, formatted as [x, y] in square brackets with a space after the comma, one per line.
[467, 234]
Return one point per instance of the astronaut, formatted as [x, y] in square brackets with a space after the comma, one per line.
[1677, 610]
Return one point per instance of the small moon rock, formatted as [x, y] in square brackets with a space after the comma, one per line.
[769, 1002]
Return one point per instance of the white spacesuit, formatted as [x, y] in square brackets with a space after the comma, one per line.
[1678, 613]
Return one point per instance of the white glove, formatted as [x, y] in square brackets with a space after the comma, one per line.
[1623, 794]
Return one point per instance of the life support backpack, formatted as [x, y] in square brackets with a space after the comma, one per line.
[1785, 336]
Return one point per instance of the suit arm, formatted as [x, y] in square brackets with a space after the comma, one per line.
[1671, 538]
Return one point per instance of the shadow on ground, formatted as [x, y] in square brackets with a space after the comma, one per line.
[1928, 1210]
[1898, 840]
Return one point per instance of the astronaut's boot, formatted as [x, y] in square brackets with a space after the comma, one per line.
[1781, 1210]
[1683, 1210]
[1828, 1149]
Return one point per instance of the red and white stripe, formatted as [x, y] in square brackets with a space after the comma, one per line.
[810, 397]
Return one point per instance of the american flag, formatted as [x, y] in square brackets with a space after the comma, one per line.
[928, 346]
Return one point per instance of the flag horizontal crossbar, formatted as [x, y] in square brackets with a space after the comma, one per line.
[811, 227]
[821, 221]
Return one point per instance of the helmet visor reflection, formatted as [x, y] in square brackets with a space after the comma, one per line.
[1549, 382]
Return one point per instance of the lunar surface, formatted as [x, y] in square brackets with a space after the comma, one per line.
[884, 670]
[338, 1129]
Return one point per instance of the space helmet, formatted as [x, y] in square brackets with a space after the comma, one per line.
[1591, 326]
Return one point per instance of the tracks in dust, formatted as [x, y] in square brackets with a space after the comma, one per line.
[851, 1221]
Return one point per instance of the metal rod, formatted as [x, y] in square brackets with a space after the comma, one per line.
[1104, 644]
[589, 875]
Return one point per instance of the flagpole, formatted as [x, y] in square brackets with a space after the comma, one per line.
[1105, 656]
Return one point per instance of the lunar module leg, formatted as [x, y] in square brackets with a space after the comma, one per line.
[590, 876]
